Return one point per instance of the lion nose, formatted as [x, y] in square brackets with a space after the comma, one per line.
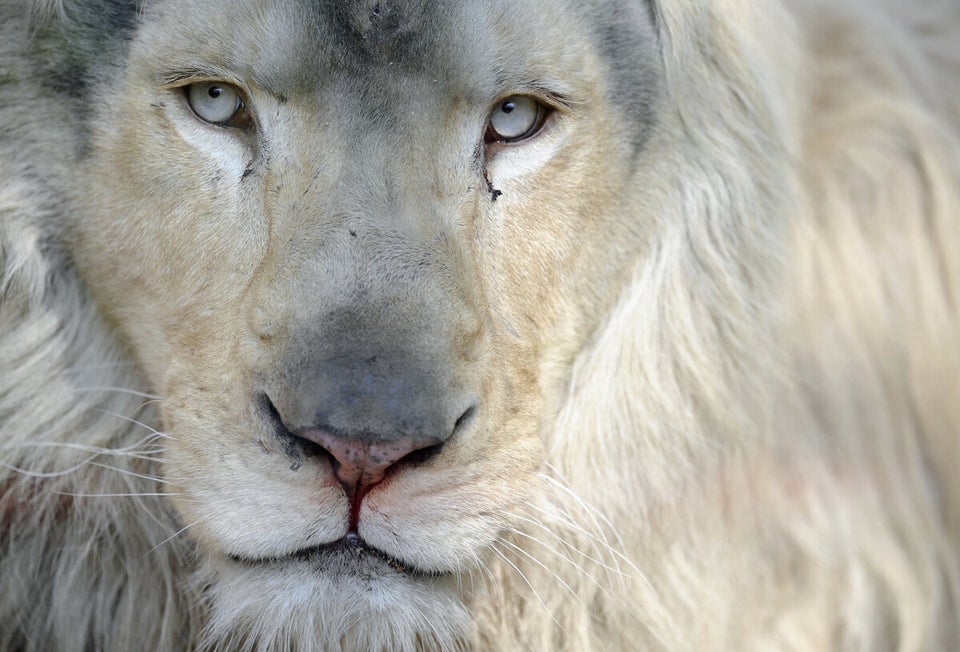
[370, 412]
[362, 463]
[375, 387]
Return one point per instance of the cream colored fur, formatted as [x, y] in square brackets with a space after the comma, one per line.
[755, 446]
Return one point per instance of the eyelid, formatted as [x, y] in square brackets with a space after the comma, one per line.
[554, 96]
[198, 75]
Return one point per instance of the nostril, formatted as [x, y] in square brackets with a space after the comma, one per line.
[266, 407]
[464, 419]
[421, 455]
[294, 445]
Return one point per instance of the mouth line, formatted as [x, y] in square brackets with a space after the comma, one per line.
[350, 548]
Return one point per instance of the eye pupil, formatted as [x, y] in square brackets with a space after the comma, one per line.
[215, 91]
[508, 107]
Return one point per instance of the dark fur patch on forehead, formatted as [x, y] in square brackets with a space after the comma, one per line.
[377, 25]
[482, 49]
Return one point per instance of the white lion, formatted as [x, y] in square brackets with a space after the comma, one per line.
[529, 325]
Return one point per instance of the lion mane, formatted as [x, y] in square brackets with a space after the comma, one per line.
[755, 445]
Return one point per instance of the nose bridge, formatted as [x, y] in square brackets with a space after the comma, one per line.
[383, 171]
[386, 182]
[387, 238]
[353, 229]
[380, 353]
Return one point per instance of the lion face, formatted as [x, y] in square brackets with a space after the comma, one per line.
[355, 249]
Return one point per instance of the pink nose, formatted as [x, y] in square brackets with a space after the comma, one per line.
[361, 464]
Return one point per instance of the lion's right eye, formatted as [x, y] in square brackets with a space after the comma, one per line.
[218, 103]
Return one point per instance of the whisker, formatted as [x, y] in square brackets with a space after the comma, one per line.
[96, 389]
[550, 571]
[132, 451]
[96, 450]
[559, 483]
[171, 538]
[79, 369]
[485, 568]
[151, 478]
[536, 594]
[567, 558]
[136, 422]
[117, 390]
[115, 495]
[45, 475]
[592, 511]
[599, 545]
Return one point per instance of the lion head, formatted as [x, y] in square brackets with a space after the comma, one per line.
[443, 325]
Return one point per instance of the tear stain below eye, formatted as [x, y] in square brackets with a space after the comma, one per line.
[494, 193]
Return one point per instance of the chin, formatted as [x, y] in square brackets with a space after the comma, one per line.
[341, 595]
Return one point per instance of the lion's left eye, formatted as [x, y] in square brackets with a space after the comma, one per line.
[515, 118]
[217, 103]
